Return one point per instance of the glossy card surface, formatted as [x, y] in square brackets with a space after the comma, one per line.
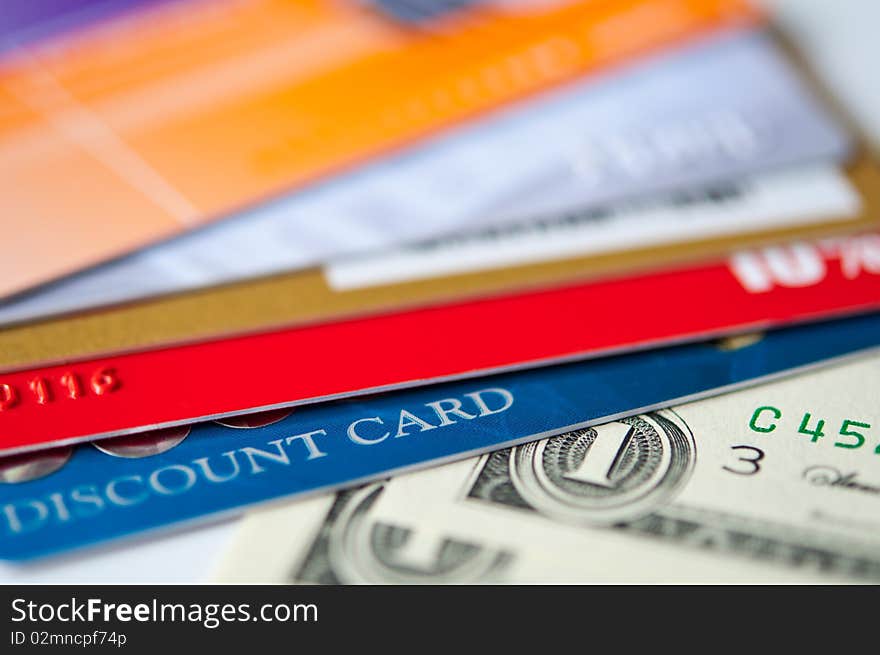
[135, 129]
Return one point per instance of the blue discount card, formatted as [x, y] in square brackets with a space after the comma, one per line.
[78, 496]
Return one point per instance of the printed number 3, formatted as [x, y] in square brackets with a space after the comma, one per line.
[753, 466]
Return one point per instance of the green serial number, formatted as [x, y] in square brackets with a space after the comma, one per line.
[851, 434]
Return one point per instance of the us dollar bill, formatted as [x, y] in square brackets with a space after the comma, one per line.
[778, 483]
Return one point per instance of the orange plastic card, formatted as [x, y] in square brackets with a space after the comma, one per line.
[136, 128]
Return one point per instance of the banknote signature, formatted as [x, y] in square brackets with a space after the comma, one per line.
[828, 476]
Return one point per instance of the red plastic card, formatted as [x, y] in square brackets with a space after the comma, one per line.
[114, 395]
